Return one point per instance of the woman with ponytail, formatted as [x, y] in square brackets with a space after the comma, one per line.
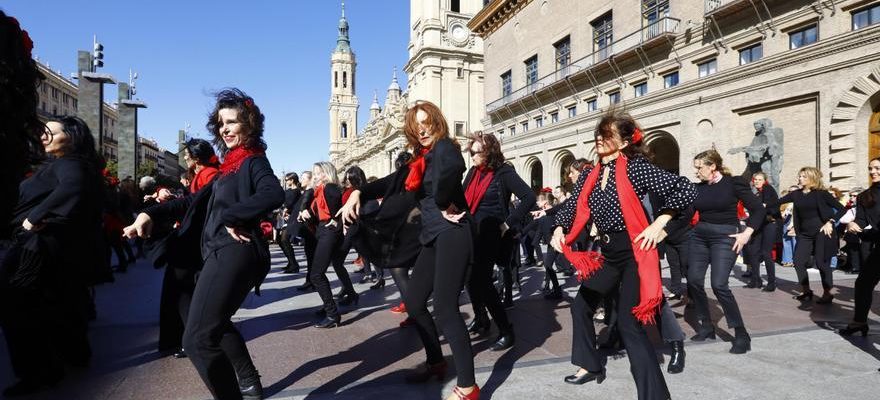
[608, 195]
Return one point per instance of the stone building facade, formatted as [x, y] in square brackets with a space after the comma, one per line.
[694, 73]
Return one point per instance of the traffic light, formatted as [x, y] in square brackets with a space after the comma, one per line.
[98, 55]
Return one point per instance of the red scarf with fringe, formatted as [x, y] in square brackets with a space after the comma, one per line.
[234, 158]
[416, 171]
[478, 186]
[647, 261]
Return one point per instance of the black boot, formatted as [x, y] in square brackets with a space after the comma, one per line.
[252, 390]
[770, 287]
[329, 322]
[706, 331]
[349, 297]
[505, 339]
[741, 341]
[479, 325]
[676, 360]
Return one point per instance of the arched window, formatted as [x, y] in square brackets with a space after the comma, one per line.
[344, 79]
[343, 130]
[336, 79]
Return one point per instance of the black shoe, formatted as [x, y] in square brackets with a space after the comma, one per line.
[555, 294]
[349, 298]
[853, 328]
[741, 342]
[321, 313]
[422, 375]
[707, 331]
[378, 285]
[529, 261]
[747, 274]
[755, 284]
[504, 342]
[805, 296]
[253, 391]
[588, 377]
[674, 297]
[479, 326]
[307, 287]
[367, 278]
[180, 353]
[825, 299]
[329, 322]
[676, 360]
[771, 287]
[289, 270]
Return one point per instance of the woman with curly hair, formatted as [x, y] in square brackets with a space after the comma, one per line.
[234, 254]
[488, 186]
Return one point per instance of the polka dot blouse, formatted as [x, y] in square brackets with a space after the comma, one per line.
[675, 192]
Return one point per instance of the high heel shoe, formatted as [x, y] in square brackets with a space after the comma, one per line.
[825, 299]
[676, 360]
[853, 328]
[348, 298]
[473, 395]
[741, 342]
[588, 377]
[430, 371]
[329, 322]
[805, 296]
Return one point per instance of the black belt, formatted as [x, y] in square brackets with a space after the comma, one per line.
[606, 237]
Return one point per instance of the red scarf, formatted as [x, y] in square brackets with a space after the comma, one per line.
[416, 171]
[647, 261]
[202, 178]
[477, 187]
[319, 205]
[234, 158]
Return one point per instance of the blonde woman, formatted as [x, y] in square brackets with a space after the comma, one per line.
[814, 205]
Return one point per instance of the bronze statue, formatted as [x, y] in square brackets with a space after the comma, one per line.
[765, 152]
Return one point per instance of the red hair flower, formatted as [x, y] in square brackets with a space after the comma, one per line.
[249, 103]
[546, 190]
[636, 136]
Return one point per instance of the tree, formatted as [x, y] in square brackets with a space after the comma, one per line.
[146, 168]
[113, 168]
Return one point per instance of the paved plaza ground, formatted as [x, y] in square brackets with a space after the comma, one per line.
[795, 352]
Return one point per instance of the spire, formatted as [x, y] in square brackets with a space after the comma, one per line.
[375, 105]
[343, 45]
[394, 85]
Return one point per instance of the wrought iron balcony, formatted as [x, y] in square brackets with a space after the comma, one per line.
[724, 7]
[629, 43]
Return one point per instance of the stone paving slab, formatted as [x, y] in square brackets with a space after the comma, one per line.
[795, 354]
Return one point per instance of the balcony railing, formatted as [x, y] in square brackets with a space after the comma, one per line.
[715, 6]
[665, 25]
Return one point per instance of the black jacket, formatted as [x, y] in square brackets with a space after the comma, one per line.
[496, 201]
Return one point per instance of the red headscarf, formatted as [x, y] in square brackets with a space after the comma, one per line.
[416, 171]
[234, 158]
[647, 261]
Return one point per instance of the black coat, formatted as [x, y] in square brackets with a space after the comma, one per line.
[505, 182]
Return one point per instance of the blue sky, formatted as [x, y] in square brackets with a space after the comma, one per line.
[276, 51]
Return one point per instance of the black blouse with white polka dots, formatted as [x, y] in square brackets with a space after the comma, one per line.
[676, 193]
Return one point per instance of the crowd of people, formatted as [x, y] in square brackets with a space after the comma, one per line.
[436, 226]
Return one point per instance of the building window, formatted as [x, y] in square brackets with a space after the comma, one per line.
[344, 79]
[54, 110]
[336, 79]
[603, 36]
[525, 126]
[459, 73]
[554, 117]
[572, 111]
[506, 84]
[44, 106]
[865, 17]
[55, 93]
[512, 130]
[539, 122]
[708, 68]
[500, 133]
[670, 80]
[563, 54]
[455, 5]
[749, 54]
[459, 129]
[803, 37]
[654, 11]
[592, 105]
[343, 130]
[614, 98]
[531, 70]
[45, 88]
[641, 89]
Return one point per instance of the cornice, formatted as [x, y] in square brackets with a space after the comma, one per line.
[495, 14]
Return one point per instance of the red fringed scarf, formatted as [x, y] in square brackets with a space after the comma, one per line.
[416, 171]
[647, 261]
[477, 187]
[319, 204]
[234, 158]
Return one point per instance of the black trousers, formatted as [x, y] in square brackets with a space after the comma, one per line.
[213, 344]
[310, 244]
[178, 285]
[677, 257]
[815, 247]
[327, 252]
[284, 241]
[550, 257]
[490, 248]
[442, 269]
[619, 271]
[711, 244]
[761, 249]
[869, 276]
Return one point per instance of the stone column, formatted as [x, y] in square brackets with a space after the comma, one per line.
[128, 132]
[91, 97]
[181, 141]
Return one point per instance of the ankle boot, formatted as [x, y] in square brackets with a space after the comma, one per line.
[676, 360]
[505, 339]
[706, 331]
[741, 341]
[479, 325]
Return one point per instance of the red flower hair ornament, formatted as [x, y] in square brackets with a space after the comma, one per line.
[636, 136]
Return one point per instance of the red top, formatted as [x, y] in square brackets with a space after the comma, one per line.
[346, 194]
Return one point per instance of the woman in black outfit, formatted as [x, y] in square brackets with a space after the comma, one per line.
[716, 240]
[488, 186]
[304, 227]
[446, 238]
[765, 237]
[866, 225]
[235, 255]
[813, 207]
[45, 275]
[325, 206]
[609, 196]
[291, 198]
